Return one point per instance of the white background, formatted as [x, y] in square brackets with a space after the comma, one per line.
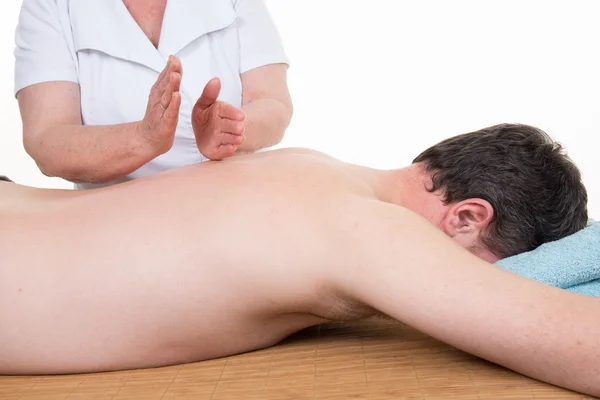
[375, 82]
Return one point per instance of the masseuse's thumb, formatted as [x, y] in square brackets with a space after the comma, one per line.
[209, 94]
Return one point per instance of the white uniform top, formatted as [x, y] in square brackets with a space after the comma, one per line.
[98, 45]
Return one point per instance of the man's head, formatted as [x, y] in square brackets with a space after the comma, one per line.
[507, 189]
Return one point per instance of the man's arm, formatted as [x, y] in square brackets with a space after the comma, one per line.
[412, 272]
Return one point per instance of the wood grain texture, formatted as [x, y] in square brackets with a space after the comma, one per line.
[376, 359]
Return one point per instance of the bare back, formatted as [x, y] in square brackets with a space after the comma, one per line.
[227, 257]
[200, 262]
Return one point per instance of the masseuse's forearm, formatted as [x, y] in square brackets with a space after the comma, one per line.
[90, 154]
[265, 123]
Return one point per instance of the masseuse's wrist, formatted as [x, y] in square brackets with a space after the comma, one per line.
[144, 146]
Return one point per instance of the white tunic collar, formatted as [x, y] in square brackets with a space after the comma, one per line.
[107, 26]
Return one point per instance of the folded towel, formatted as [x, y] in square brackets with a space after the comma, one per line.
[571, 263]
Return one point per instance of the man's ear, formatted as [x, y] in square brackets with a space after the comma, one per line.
[468, 218]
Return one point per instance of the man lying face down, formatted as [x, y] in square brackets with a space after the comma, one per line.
[227, 257]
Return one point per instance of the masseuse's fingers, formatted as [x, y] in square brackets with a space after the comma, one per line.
[224, 151]
[209, 95]
[235, 140]
[163, 74]
[229, 111]
[173, 66]
[232, 127]
[170, 100]
[172, 86]
[170, 82]
[172, 112]
[162, 113]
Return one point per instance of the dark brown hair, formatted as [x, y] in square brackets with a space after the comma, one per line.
[535, 189]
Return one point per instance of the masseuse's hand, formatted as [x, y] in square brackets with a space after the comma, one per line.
[157, 129]
[218, 126]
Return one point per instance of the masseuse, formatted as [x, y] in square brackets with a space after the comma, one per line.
[114, 90]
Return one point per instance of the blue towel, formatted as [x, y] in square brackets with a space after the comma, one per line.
[571, 263]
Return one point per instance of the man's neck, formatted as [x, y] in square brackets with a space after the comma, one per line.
[407, 187]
